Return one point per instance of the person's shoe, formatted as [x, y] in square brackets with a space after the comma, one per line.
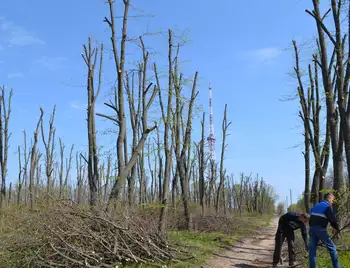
[274, 264]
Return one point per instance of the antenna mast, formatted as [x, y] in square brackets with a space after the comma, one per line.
[211, 138]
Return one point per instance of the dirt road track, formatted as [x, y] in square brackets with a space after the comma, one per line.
[254, 252]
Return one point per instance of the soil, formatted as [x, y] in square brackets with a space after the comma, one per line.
[253, 252]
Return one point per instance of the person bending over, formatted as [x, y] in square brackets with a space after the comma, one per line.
[321, 214]
[287, 224]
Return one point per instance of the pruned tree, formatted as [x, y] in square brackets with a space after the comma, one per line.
[220, 192]
[338, 132]
[68, 169]
[90, 56]
[34, 162]
[202, 164]
[160, 159]
[135, 122]
[182, 151]
[9, 196]
[167, 119]
[38, 169]
[238, 193]
[149, 151]
[310, 115]
[124, 165]
[80, 169]
[20, 177]
[108, 175]
[61, 168]
[26, 158]
[49, 146]
[5, 113]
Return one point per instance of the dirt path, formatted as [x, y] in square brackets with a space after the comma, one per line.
[250, 252]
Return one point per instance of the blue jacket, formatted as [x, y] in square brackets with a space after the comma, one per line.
[321, 214]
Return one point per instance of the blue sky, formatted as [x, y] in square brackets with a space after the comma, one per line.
[242, 47]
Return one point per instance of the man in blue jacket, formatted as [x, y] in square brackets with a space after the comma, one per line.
[320, 215]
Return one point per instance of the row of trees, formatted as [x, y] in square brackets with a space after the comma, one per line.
[160, 162]
[323, 90]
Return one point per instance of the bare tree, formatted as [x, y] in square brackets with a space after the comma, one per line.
[20, 177]
[5, 112]
[9, 194]
[181, 154]
[310, 114]
[108, 174]
[135, 122]
[68, 168]
[201, 164]
[150, 170]
[164, 192]
[160, 159]
[62, 147]
[225, 126]
[49, 146]
[38, 169]
[26, 158]
[80, 167]
[337, 132]
[239, 193]
[124, 167]
[33, 161]
[90, 57]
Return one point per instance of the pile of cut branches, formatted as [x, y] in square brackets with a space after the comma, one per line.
[227, 225]
[71, 237]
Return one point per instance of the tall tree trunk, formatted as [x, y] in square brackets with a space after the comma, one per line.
[225, 126]
[33, 162]
[332, 112]
[5, 113]
[164, 191]
[90, 58]
[181, 154]
[201, 164]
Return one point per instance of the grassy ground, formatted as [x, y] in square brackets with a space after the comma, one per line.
[203, 245]
[323, 257]
[324, 260]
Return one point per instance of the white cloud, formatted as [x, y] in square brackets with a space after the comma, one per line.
[77, 105]
[14, 35]
[15, 75]
[51, 63]
[264, 55]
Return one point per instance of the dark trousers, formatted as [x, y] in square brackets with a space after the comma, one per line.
[279, 239]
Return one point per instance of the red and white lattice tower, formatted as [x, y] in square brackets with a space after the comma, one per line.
[211, 138]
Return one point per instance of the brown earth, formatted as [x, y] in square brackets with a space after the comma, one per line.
[253, 252]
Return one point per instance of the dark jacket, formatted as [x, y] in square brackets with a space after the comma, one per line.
[290, 222]
[321, 214]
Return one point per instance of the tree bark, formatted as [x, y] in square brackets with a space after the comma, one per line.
[33, 162]
[225, 126]
[5, 113]
[90, 57]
